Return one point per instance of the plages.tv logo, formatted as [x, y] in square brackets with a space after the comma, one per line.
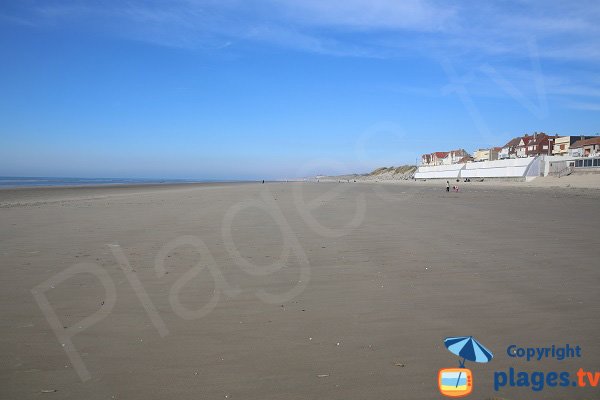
[458, 382]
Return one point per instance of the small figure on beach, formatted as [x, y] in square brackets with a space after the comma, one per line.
[448, 186]
[263, 181]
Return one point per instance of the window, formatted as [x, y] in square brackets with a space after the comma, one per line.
[579, 163]
[587, 163]
[596, 162]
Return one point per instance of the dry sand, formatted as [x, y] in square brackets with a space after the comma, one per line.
[577, 180]
[363, 309]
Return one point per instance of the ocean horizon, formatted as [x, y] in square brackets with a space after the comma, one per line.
[37, 181]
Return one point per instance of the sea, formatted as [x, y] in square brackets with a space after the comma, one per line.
[13, 182]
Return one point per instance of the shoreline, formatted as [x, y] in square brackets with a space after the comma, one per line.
[117, 185]
[38, 195]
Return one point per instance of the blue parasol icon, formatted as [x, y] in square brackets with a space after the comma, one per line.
[469, 349]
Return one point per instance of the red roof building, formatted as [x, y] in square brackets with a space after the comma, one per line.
[509, 150]
[540, 144]
[587, 147]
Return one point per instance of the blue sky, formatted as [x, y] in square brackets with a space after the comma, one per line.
[244, 89]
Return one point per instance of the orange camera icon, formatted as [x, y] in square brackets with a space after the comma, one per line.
[455, 382]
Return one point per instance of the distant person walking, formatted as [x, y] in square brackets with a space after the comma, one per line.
[448, 186]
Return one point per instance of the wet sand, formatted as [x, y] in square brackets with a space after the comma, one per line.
[370, 280]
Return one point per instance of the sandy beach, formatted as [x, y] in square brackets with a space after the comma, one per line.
[577, 180]
[291, 290]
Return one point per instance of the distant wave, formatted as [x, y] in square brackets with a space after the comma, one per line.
[6, 181]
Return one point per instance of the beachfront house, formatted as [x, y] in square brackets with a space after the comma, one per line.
[436, 158]
[454, 156]
[487, 154]
[509, 150]
[444, 157]
[426, 160]
[540, 144]
[586, 147]
[562, 144]
[479, 155]
[521, 148]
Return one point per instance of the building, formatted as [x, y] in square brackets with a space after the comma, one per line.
[480, 155]
[562, 144]
[509, 150]
[586, 147]
[528, 146]
[454, 156]
[521, 148]
[443, 157]
[487, 154]
[540, 144]
[515, 148]
[426, 159]
[436, 158]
